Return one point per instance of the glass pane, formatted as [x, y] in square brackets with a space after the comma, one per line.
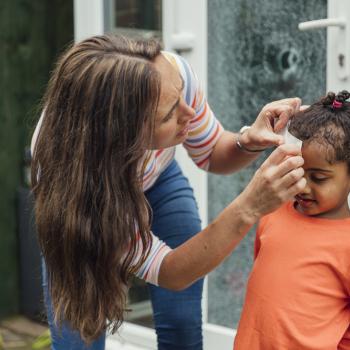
[256, 54]
[140, 17]
[136, 18]
[140, 305]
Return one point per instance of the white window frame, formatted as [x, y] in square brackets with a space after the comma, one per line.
[338, 43]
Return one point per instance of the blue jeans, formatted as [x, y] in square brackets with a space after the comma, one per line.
[177, 315]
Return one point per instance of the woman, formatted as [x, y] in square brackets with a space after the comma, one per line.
[103, 172]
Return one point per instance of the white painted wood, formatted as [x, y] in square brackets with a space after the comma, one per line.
[88, 18]
[338, 43]
[142, 338]
[135, 335]
[114, 344]
[218, 337]
[323, 23]
[185, 31]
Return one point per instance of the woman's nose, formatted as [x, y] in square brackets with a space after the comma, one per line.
[187, 112]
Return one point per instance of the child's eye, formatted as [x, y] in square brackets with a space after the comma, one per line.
[318, 179]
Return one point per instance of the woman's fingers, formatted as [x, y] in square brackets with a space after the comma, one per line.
[275, 115]
[286, 167]
[290, 184]
[294, 102]
[272, 118]
[284, 114]
[292, 177]
[278, 179]
[280, 154]
[303, 107]
[279, 114]
[283, 110]
[296, 188]
[283, 168]
[269, 138]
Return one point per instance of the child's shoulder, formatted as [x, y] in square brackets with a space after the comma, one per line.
[283, 213]
[285, 218]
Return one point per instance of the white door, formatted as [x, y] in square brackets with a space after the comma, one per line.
[338, 44]
[185, 32]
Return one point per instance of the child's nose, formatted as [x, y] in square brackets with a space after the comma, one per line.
[307, 188]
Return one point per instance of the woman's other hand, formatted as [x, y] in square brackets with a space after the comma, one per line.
[272, 118]
[278, 180]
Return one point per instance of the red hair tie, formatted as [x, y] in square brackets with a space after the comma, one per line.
[337, 104]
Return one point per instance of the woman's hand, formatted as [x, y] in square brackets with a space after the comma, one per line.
[262, 135]
[278, 180]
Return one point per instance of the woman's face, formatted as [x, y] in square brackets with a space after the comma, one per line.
[173, 114]
[328, 185]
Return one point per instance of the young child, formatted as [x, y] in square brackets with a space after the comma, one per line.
[298, 293]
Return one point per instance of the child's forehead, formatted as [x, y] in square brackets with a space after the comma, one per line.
[317, 151]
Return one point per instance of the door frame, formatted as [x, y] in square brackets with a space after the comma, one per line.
[185, 30]
[91, 17]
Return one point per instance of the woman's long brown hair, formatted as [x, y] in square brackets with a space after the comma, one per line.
[98, 120]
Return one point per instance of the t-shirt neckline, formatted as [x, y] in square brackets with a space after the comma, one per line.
[311, 219]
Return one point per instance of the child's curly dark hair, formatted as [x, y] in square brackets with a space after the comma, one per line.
[327, 122]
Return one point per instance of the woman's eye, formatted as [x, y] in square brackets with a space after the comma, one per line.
[168, 117]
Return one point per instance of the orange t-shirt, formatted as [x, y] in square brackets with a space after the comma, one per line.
[298, 292]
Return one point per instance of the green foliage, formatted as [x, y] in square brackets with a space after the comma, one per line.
[31, 35]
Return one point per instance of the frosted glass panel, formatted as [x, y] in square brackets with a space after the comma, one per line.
[142, 14]
[256, 55]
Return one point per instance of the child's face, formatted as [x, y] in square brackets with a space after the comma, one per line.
[328, 185]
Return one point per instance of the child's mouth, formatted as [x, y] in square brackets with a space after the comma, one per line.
[304, 202]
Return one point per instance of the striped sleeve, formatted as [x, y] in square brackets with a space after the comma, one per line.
[149, 270]
[205, 130]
